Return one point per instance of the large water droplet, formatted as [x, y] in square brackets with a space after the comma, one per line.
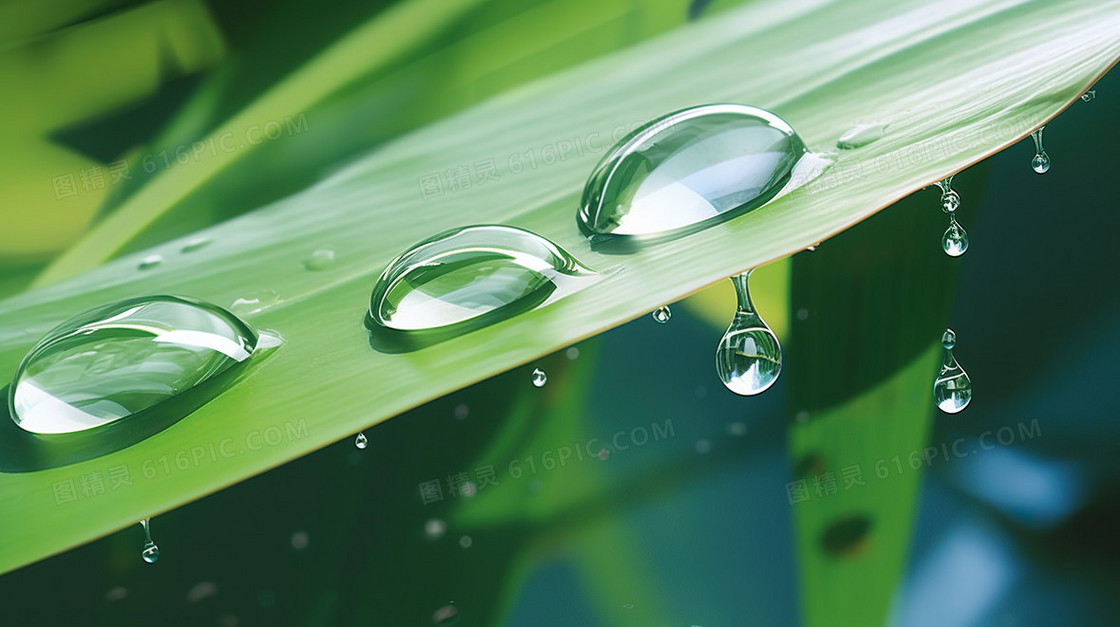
[952, 391]
[361, 441]
[860, 135]
[1040, 163]
[748, 358]
[467, 278]
[955, 241]
[116, 360]
[150, 552]
[662, 314]
[691, 169]
[539, 377]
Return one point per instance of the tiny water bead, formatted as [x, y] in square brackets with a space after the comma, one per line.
[1089, 95]
[955, 240]
[688, 170]
[539, 378]
[116, 360]
[150, 262]
[662, 314]
[952, 390]
[254, 301]
[470, 277]
[195, 243]
[150, 552]
[321, 259]
[748, 358]
[361, 441]
[860, 135]
[1040, 163]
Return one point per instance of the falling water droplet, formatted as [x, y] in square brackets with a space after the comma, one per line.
[955, 240]
[150, 552]
[116, 360]
[748, 358]
[361, 441]
[662, 314]
[539, 377]
[952, 391]
[950, 199]
[150, 262]
[1040, 163]
[1089, 95]
[467, 278]
[319, 260]
[254, 301]
[195, 243]
[860, 135]
[688, 170]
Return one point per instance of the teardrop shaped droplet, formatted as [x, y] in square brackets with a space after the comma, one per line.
[150, 552]
[955, 240]
[860, 135]
[1089, 95]
[116, 360]
[952, 390]
[688, 170]
[361, 441]
[539, 377]
[467, 278]
[1040, 163]
[319, 260]
[950, 199]
[662, 314]
[149, 262]
[748, 358]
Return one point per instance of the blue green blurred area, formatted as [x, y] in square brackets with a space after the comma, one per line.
[688, 518]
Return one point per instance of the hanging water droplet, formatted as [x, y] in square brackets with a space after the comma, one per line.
[539, 377]
[150, 552]
[150, 262]
[467, 278]
[662, 314]
[319, 260]
[195, 243]
[1040, 163]
[813, 248]
[860, 135]
[361, 441]
[254, 301]
[116, 360]
[955, 240]
[952, 390]
[1089, 95]
[950, 199]
[688, 170]
[748, 358]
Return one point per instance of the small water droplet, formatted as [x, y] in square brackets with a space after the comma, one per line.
[952, 390]
[116, 360]
[462, 411]
[955, 241]
[604, 454]
[435, 528]
[254, 302]
[361, 441]
[803, 314]
[150, 552]
[150, 262]
[703, 447]
[1040, 163]
[539, 377]
[950, 199]
[690, 169]
[319, 260]
[813, 248]
[466, 542]
[572, 353]
[446, 615]
[748, 358]
[195, 243]
[1089, 95]
[860, 135]
[300, 539]
[662, 314]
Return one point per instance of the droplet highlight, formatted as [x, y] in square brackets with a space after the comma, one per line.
[150, 552]
[952, 390]
[149, 262]
[861, 135]
[254, 301]
[688, 170]
[955, 240]
[749, 357]
[539, 378]
[662, 314]
[113, 361]
[1040, 163]
[361, 441]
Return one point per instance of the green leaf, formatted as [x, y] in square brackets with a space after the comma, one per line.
[955, 83]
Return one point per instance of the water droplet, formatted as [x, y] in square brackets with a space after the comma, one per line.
[604, 454]
[662, 314]
[446, 615]
[319, 260]
[572, 353]
[748, 358]
[462, 411]
[467, 278]
[113, 361]
[1040, 163]
[539, 377]
[150, 262]
[952, 391]
[361, 441]
[195, 243]
[955, 240]
[1089, 95]
[150, 552]
[813, 248]
[435, 528]
[950, 199]
[466, 542]
[688, 170]
[860, 135]
[254, 302]
[300, 539]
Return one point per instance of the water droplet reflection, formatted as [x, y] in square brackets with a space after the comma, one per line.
[1040, 163]
[150, 552]
[748, 358]
[539, 377]
[952, 390]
